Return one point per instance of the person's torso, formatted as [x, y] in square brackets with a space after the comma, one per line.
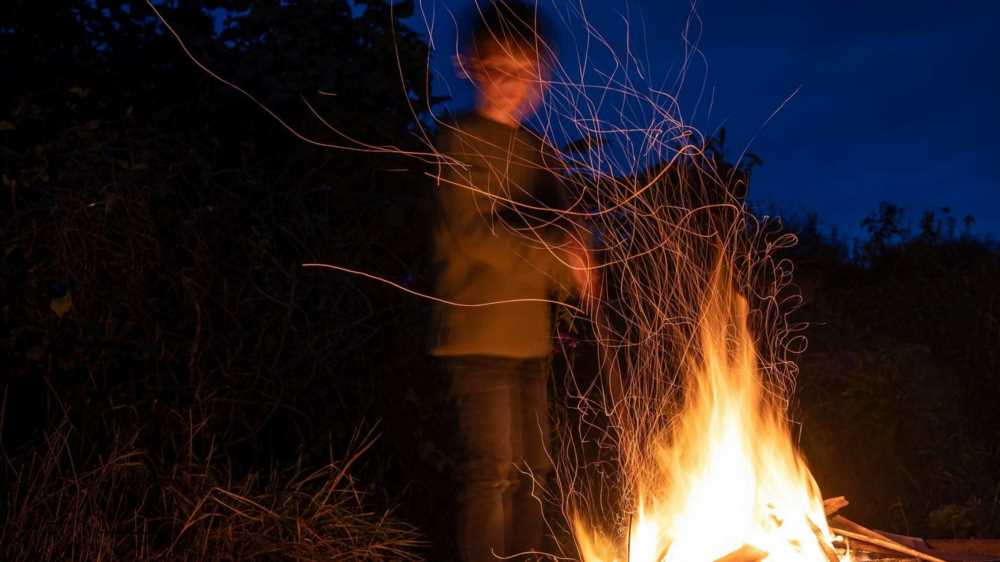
[505, 163]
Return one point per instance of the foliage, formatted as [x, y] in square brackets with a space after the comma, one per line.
[899, 385]
[154, 226]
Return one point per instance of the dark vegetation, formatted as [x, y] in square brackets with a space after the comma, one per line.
[900, 386]
[176, 386]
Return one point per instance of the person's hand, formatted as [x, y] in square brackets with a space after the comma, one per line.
[581, 263]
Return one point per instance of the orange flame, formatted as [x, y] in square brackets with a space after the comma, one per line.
[726, 474]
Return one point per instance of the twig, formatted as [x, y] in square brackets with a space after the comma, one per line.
[888, 545]
[831, 555]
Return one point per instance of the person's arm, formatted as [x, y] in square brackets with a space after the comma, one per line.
[472, 206]
[488, 227]
[572, 265]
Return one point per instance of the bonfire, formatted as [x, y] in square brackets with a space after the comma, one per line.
[702, 448]
[724, 481]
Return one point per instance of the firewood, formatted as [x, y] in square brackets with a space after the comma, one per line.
[887, 544]
[833, 505]
[827, 548]
[745, 553]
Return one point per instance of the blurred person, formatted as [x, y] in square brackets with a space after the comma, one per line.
[487, 249]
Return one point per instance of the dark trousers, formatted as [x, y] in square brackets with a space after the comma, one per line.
[503, 419]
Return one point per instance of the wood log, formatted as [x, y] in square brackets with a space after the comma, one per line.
[888, 545]
[745, 553]
[928, 550]
[827, 548]
[833, 505]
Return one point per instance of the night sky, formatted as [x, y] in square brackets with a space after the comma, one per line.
[896, 100]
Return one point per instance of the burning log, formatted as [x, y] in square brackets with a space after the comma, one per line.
[827, 548]
[889, 545]
[745, 553]
[851, 530]
[832, 505]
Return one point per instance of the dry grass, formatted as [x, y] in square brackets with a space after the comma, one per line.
[194, 353]
[125, 505]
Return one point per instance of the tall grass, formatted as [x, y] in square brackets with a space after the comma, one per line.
[126, 503]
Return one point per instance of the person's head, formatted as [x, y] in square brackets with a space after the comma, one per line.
[507, 57]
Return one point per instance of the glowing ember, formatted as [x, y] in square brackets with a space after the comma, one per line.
[725, 476]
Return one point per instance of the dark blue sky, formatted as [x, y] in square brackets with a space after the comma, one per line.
[896, 99]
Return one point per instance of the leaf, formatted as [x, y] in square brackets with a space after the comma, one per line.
[62, 305]
[403, 10]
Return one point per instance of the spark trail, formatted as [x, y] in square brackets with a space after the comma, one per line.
[690, 322]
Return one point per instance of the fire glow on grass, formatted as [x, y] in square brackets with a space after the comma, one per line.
[726, 475]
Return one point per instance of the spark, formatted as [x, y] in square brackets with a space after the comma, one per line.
[677, 248]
